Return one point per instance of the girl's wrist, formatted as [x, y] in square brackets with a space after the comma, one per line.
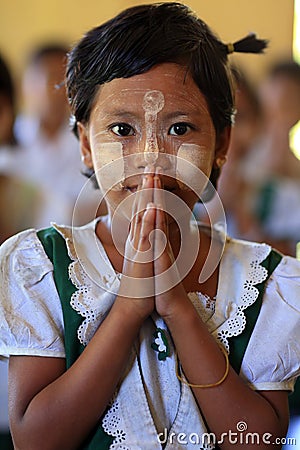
[135, 311]
[173, 309]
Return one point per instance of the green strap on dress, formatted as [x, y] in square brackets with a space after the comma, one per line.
[238, 344]
[56, 250]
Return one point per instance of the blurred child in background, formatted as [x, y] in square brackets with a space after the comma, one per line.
[52, 152]
[272, 171]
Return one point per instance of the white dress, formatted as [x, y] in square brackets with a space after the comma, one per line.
[31, 323]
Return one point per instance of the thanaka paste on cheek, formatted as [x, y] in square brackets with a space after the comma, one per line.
[109, 166]
[153, 103]
[193, 167]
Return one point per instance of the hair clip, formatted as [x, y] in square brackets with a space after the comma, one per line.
[230, 48]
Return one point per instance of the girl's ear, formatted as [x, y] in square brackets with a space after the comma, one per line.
[85, 148]
[222, 145]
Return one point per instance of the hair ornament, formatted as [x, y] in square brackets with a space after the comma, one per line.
[248, 44]
[230, 48]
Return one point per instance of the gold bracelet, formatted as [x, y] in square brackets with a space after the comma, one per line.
[205, 385]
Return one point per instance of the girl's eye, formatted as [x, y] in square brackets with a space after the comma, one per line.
[122, 129]
[179, 129]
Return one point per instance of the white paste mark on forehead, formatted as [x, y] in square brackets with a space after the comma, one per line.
[153, 103]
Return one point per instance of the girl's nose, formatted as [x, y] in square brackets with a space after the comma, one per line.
[157, 159]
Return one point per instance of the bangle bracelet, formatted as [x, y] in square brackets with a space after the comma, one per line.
[205, 385]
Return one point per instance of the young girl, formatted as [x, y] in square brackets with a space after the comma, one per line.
[119, 331]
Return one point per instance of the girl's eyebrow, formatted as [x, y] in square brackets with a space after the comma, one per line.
[184, 114]
[119, 114]
[173, 114]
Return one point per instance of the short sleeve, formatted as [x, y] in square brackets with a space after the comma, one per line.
[31, 319]
[272, 358]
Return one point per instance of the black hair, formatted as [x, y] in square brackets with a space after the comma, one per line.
[7, 90]
[6, 82]
[143, 36]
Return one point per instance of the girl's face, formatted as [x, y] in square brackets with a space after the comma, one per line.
[159, 118]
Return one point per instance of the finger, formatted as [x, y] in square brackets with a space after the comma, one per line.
[147, 226]
[134, 218]
[161, 236]
[163, 254]
[145, 252]
[141, 201]
[158, 195]
[143, 196]
[146, 187]
[146, 192]
[137, 198]
[159, 200]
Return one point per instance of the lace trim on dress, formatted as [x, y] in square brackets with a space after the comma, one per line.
[113, 425]
[235, 319]
[204, 305]
[85, 300]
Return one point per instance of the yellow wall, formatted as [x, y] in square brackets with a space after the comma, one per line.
[25, 22]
